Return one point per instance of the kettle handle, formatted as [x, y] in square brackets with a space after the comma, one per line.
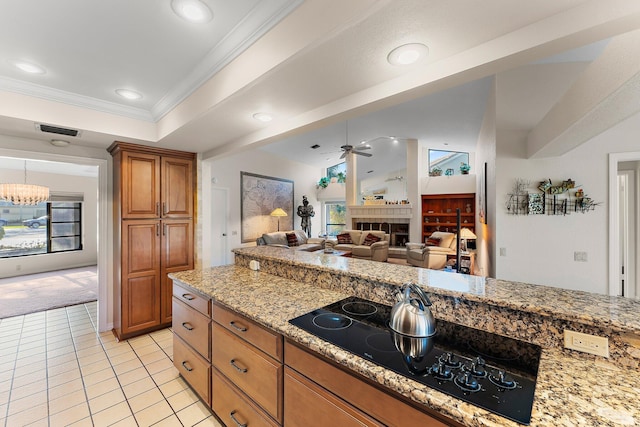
[421, 294]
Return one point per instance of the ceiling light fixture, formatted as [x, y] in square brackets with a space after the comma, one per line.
[407, 54]
[263, 117]
[192, 10]
[129, 94]
[24, 194]
[28, 67]
[59, 142]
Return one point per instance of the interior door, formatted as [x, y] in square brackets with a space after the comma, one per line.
[219, 237]
[627, 221]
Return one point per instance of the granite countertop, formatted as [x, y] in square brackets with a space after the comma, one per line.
[617, 313]
[569, 391]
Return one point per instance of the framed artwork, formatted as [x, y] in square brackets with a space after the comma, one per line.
[536, 204]
[259, 196]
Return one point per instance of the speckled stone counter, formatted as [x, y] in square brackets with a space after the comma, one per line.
[537, 314]
[570, 391]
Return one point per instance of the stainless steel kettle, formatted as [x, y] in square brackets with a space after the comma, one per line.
[412, 316]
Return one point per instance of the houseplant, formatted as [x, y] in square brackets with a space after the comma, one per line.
[323, 182]
[465, 168]
[436, 171]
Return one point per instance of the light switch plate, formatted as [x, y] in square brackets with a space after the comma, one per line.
[586, 343]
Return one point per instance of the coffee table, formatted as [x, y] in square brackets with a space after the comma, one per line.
[335, 252]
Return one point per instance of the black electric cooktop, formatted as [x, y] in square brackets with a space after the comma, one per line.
[487, 370]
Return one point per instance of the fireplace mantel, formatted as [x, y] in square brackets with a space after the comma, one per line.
[380, 211]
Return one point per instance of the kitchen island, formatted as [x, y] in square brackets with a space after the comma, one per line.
[572, 388]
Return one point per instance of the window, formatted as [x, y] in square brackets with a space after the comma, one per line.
[333, 171]
[447, 162]
[48, 227]
[64, 227]
[334, 217]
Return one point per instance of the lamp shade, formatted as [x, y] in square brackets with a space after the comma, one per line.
[465, 233]
[278, 212]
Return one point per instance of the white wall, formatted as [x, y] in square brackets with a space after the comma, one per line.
[226, 172]
[88, 186]
[540, 248]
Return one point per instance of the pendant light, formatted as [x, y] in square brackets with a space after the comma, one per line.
[24, 194]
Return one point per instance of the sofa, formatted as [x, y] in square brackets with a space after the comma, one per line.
[302, 242]
[360, 247]
[433, 253]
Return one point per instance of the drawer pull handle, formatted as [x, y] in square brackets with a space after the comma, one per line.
[187, 326]
[188, 297]
[233, 417]
[184, 364]
[238, 368]
[236, 327]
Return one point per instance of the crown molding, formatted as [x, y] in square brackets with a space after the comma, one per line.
[243, 35]
[50, 94]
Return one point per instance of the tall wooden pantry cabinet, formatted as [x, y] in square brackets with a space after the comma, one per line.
[153, 202]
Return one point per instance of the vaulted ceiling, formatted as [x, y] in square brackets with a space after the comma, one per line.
[311, 64]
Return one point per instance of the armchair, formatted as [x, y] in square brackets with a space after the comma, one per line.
[432, 255]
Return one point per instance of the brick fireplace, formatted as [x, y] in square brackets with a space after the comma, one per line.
[392, 219]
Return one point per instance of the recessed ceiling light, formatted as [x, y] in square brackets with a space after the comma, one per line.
[28, 67]
[59, 142]
[407, 54]
[192, 10]
[128, 94]
[263, 117]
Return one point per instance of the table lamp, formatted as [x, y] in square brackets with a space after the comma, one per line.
[466, 234]
[278, 212]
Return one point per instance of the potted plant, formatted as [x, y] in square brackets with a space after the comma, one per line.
[342, 177]
[324, 182]
[464, 168]
[436, 171]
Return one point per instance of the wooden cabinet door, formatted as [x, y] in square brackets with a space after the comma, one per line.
[176, 255]
[140, 275]
[307, 404]
[177, 188]
[140, 185]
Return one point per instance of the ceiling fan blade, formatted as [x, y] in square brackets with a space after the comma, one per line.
[361, 154]
[344, 155]
[363, 147]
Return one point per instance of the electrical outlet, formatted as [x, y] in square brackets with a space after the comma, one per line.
[580, 256]
[586, 343]
[503, 251]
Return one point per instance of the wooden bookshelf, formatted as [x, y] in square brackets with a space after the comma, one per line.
[439, 212]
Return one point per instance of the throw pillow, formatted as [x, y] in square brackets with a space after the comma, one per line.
[370, 240]
[292, 239]
[344, 239]
[433, 241]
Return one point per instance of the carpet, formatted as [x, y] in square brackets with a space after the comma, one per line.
[45, 291]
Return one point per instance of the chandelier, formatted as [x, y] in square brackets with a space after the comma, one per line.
[24, 194]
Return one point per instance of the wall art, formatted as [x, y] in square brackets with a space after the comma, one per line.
[259, 196]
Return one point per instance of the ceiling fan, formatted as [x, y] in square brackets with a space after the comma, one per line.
[355, 150]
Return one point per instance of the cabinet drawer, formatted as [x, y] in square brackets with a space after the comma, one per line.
[307, 404]
[370, 399]
[192, 299]
[193, 368]
[261, 337]
[253, 372]
[193, 327]
[232, 407]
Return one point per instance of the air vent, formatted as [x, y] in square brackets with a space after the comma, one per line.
[57, 130]
[315, 146]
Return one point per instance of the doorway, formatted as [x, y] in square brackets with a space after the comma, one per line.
[219, 215]
[624, 224]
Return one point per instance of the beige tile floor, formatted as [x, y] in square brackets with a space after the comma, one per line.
[56, 370]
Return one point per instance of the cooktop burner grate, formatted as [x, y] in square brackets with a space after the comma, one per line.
[488, 370]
